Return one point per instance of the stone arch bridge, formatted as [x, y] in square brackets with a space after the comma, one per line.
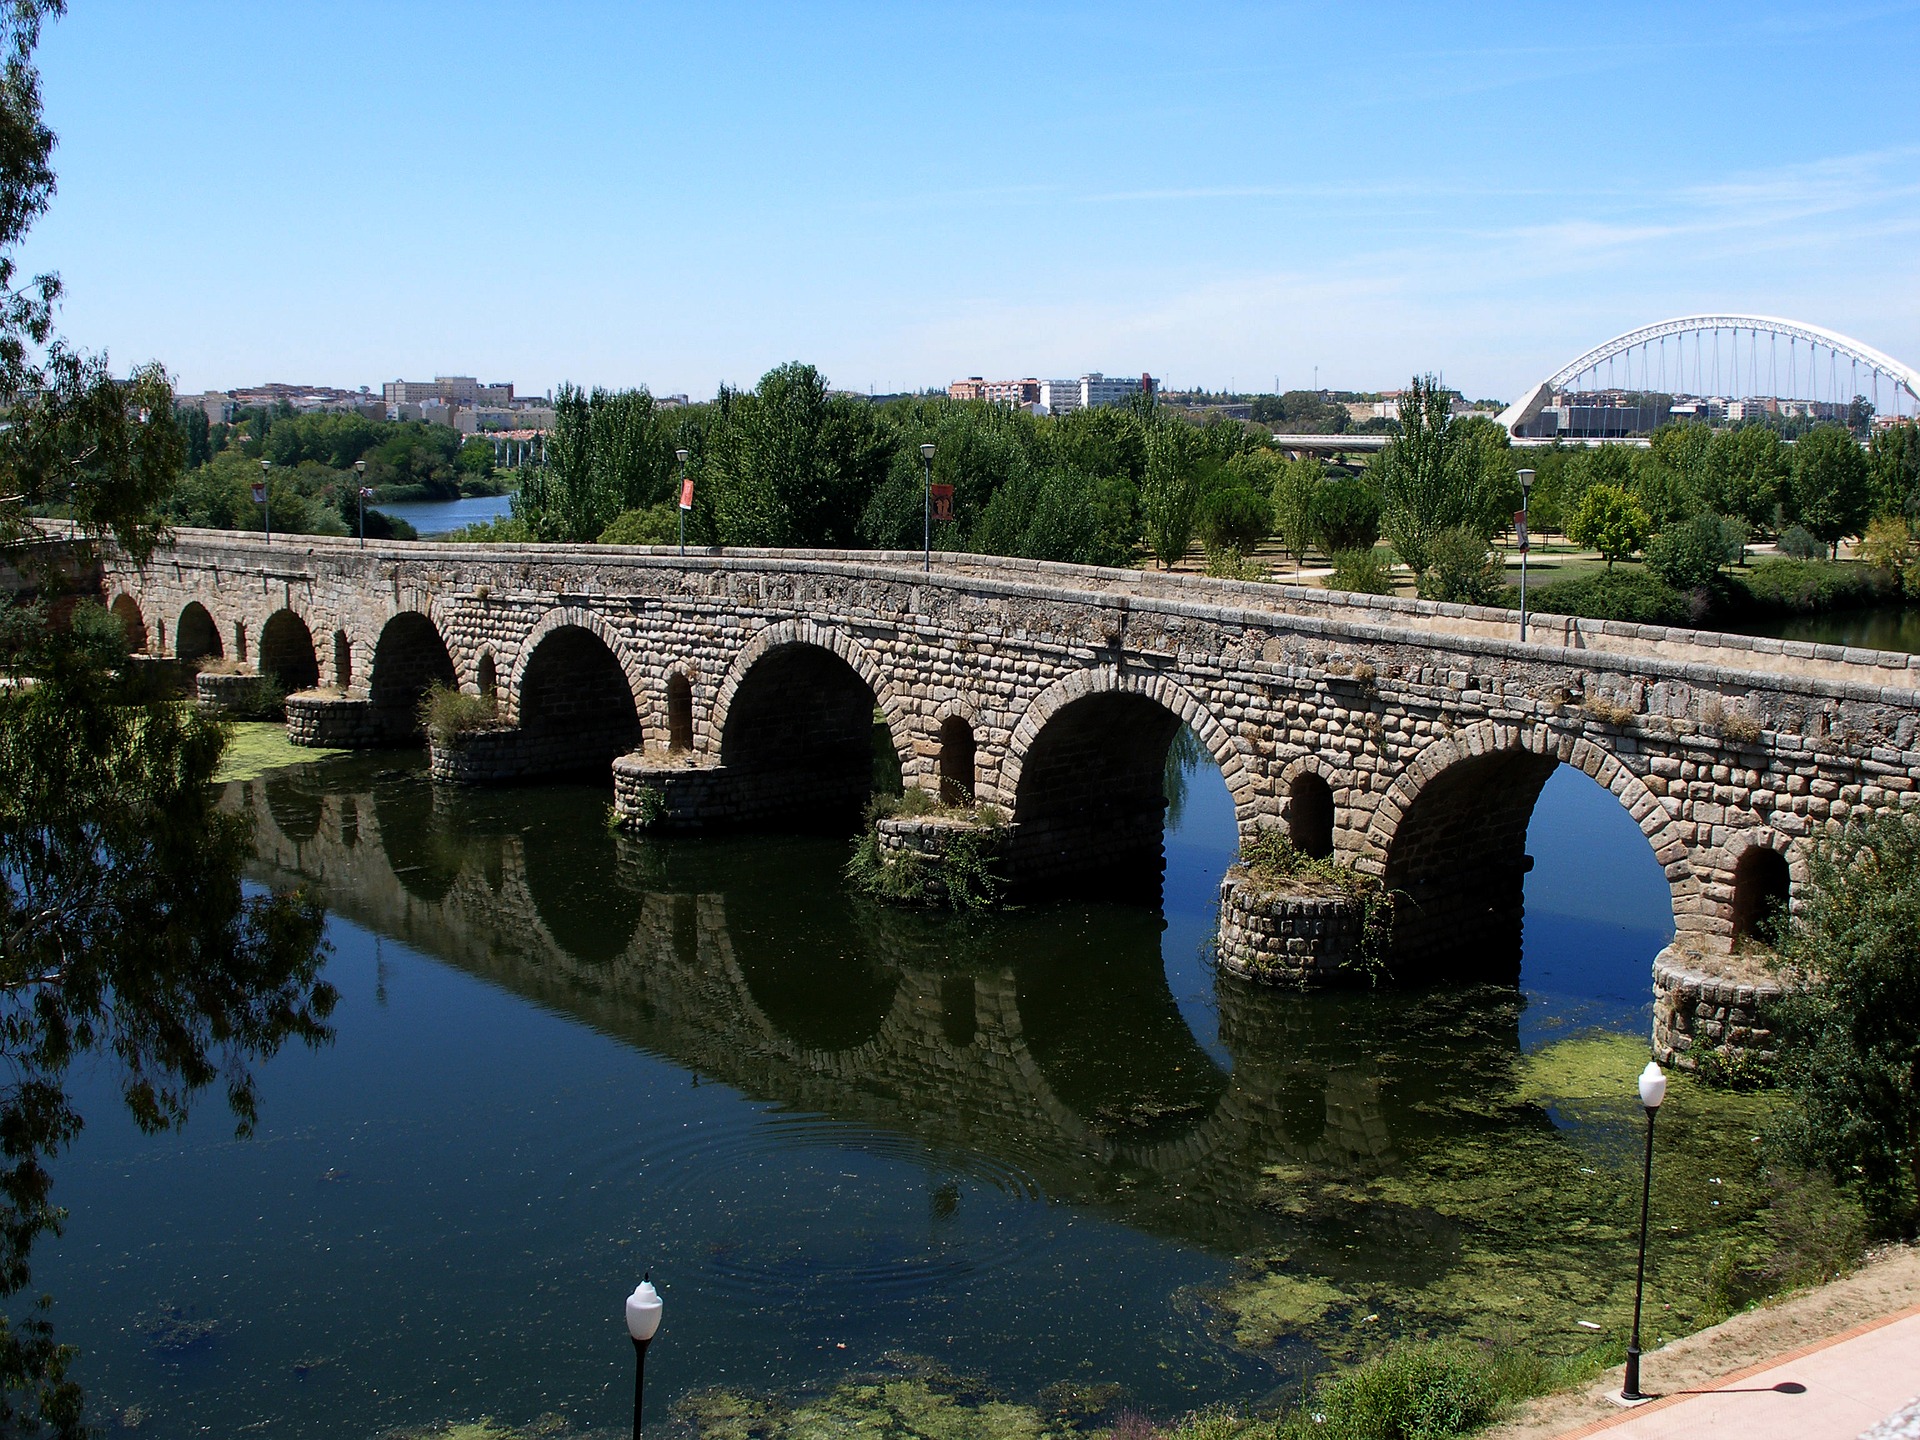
[741, 688]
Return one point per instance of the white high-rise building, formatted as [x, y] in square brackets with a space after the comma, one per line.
[1060, 396]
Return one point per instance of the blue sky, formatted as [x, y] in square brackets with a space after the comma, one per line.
[619, 194]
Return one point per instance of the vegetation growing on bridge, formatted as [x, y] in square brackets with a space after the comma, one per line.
[962, 871]
[1273, 863]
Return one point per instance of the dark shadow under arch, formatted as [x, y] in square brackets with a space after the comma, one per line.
[1762, 885]
[679, 712]
[957, 757]
[409, 657]
[1091, 805]
[1310, 815]
[286, 652]
[342, 660]
[133, 624]
[800, 740]
[576, 708]
[195, 636]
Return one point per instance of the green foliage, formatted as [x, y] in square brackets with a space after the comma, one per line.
[1804, 587]
[962, 875]
[1364, 572]
[1609, 520]
[1295, 489]
[1415, 1392]
[1800, 543]
[1829, 489]
[1060, 514]
[1692, 553]
[1463, 570]
[1849, 1024]
[1235, 516]
[446, 712]
[1169, 495]
[1746, 475]
[1346, 516]
[501, 530]
[1893, 462]
[1614, 595]
[1438, 475]
[655, 525]
[609, 452]
[1272, 862]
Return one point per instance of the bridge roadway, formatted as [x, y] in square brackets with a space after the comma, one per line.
[739, 688]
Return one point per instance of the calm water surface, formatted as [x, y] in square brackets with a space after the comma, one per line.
[438, 517]
[1027, 1147]
[1879, 628]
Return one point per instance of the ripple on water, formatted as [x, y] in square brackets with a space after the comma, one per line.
[802, 1208]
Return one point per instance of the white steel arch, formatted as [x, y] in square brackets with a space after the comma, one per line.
[1904, 377]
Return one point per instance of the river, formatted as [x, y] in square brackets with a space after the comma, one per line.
[1052, 1152]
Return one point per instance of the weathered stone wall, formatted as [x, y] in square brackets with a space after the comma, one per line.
[1696, 1010]
[327, 721]
[1303, 939]
[1713, 743]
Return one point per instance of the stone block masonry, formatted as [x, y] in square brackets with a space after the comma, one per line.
[1426, 728]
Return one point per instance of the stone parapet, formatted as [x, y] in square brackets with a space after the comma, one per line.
[1697, 1010]
[1306, 939]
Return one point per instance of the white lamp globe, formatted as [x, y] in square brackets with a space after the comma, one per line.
[1653, 1086]
[643, 1311]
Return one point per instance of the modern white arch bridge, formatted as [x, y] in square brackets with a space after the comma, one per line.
[1407, 739]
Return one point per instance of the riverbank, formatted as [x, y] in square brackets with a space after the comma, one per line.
[1887, 1284]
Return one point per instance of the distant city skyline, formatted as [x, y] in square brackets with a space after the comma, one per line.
[348, 194]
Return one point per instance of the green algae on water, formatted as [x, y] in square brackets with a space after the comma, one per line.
[929, 1405]
[257, 746]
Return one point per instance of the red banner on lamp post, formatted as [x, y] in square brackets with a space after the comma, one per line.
[943, 503]
[686, 493]
[1520, 528]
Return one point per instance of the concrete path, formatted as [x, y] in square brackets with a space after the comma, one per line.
[1839, 1388]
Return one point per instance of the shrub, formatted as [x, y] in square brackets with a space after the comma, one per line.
[1615, 595]
[445, 712]
[1416, 1392]
[1691, 554]
[1887, 545]
[1231, 565]
[1806, 586]
[1272, 861]
[1462, 570]
[1234, 517]
[1346, 515]
[962, 875]
[1801, 544]
[1364, 572]
[503, 530]
[265, 699]
[1609, 520]
[656, 525]
[1849, 1022]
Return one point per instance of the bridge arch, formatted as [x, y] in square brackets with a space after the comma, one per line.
[793, 720]
[410, 656]
[1449, 838]
[196, 636]
[574, 697]
[1307, 787]
[287, 652]
[1085, 772]
[133, 624]
[575, 617]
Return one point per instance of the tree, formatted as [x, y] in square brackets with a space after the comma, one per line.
[1169, 495]
[127, 942]
[1346, 515]
[1609, 520]
[1234, 516]
[1432, 478]
[1746, 474]
[1893, 461]
[1849, 1025]
[1295, 488]
[1829, 492]
[1690, 555]
[1464, 571]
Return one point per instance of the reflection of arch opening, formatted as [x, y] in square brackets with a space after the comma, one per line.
[195, 636]
[1761, 887]
[679, 712]
[286, 652]
[126, 610]
[959, 1014]
[409, 657]
[239, 640]
[1310, 815]
[297, 809]
[956, 761]
[486, 676]
[576, 709]
[1091, 805]
[799, 738]
[342, 660]
[573, 874]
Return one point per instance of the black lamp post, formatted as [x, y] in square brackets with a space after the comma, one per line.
[685, 498]
[1653, 1089]
[360, 483]
[643, 1320]
[926, 465]
[266, 501]
[1526, 543]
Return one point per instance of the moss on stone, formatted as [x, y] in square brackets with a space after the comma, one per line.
[257, 746]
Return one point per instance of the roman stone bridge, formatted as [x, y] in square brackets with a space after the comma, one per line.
[741, 688]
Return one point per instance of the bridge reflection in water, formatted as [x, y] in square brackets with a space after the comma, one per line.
[1044, 1046]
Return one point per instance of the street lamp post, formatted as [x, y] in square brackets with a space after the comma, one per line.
[266, 500]
[360, 484]
[1526, 544]
[643, 1320]
[1653, 1089]
[686, 500]
[926, 514]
